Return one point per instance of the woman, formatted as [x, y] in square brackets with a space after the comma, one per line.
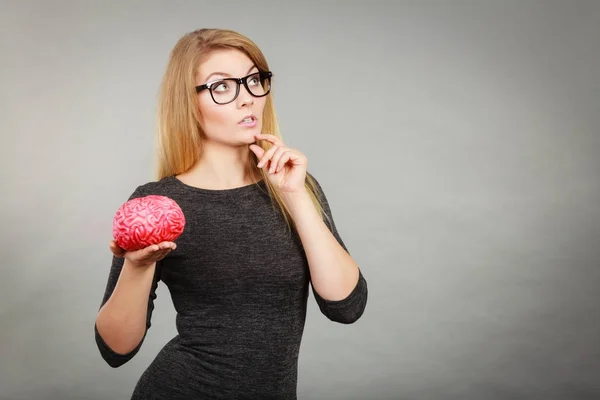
[258, 231]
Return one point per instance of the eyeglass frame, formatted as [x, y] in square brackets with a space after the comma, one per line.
[239, 81]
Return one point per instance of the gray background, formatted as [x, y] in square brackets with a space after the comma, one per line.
[458, 143]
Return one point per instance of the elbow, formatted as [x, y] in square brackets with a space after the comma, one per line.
[348, 310]
[112, 358]
[345, 319]
[114, 363]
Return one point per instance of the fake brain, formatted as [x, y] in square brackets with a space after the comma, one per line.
[148, 220]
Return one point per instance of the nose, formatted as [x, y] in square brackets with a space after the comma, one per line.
[244, 98]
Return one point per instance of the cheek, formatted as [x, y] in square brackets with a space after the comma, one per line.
[259, 106]
[213, 116]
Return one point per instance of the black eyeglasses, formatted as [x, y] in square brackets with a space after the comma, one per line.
[226, 90]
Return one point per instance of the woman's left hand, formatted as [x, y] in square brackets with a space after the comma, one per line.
[285, 167]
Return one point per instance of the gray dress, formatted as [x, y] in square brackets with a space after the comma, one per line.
[239, 284]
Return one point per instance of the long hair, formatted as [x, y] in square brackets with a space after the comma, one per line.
[179, 134]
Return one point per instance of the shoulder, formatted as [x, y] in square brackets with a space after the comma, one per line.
[311, 177]
[164, 186]
[315, 183]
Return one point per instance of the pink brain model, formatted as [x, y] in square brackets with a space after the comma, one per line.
[148, 220]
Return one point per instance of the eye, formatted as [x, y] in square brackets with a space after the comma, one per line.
[220, 86]
[254, 80]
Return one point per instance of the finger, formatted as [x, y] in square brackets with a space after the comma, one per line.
[164, 249]
[150, 250]
[113, 244]
[267, 156]
[166, 245]
[275, 158]
[285, 157]
[296, 158]
[115, 249]
[269, 138]
[159, 255]
[257, 150]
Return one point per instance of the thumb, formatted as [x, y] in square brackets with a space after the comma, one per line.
[115, 249]
[259, 151]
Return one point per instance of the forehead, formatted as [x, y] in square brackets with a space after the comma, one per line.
[232, 62]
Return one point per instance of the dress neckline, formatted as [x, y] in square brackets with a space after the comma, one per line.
[219, 192]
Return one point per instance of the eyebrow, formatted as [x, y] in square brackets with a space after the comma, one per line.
[226, 74]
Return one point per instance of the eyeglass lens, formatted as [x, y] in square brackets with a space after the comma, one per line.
[224, 91]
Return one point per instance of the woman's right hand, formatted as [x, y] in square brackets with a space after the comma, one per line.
[144, 257]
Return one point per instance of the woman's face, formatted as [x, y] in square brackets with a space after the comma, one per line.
[223, 122]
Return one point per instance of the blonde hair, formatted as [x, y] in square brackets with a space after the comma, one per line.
[179, 135]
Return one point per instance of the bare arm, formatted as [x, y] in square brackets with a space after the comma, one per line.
[339, 287]
[334, 274]
[122, 320]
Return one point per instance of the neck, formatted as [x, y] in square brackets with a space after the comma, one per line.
[221, 167]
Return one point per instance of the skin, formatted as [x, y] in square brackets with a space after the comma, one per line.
[334, 274]
[227, 146]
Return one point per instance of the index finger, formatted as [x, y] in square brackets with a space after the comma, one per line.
[270, 138]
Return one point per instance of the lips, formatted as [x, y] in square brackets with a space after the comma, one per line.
[247, 119]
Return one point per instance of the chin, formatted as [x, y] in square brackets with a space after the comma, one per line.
[248, 137]
[250, 132]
